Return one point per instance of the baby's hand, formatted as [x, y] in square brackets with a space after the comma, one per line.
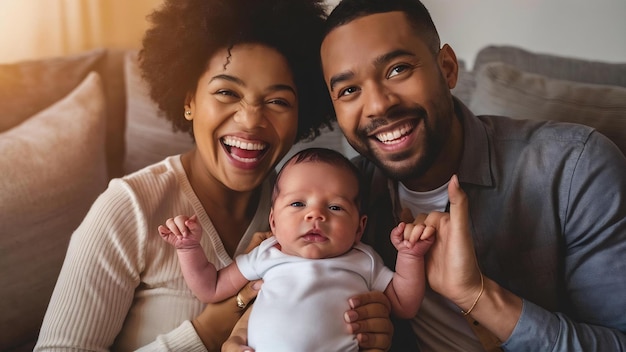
[182, 232]
[413, 239]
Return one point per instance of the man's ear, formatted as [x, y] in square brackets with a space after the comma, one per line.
[448, 65]
[360, 229]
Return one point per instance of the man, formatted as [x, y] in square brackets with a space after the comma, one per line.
[533, 247]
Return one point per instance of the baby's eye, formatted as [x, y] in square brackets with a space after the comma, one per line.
[297, 204]
[335, 207]
[396, 70]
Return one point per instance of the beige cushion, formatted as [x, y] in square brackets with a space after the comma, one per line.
[27, 87]
[53, 167]
[149, 137]
[504, 90]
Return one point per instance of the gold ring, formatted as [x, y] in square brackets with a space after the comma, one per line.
[240, 303]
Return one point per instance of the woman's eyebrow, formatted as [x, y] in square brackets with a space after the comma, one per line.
[275, 87]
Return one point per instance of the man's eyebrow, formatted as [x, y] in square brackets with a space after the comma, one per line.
[340, 77]
[378, 61]
[276, 87]
[385, 58]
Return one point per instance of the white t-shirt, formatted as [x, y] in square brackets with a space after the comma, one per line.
[438, 324]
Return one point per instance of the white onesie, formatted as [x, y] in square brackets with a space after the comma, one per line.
[302, 301]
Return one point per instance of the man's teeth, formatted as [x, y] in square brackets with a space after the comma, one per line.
[232, 142]
[388, 137]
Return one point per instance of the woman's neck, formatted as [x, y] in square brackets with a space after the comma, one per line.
[230, 211]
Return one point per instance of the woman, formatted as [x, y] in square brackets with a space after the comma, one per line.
[242, 76]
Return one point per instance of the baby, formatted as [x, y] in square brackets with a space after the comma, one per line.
[313, 262]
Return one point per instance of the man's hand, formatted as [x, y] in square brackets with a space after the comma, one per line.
[451, 265]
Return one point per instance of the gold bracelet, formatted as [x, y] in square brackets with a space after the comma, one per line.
[482, 288]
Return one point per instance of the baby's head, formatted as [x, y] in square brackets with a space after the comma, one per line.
[316, 205]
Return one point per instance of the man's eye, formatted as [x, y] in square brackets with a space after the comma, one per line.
[397, 70]
[297, 204]
[347, 91]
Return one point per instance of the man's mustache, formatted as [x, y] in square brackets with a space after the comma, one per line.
[392, 115]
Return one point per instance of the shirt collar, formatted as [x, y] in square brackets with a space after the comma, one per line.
[475, 164]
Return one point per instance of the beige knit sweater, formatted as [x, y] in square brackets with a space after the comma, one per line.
[121, 287]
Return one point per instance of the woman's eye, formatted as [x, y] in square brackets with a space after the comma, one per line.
[347, 91]
[228, 93]
[396, 70]
[280, 102]
[297, 204]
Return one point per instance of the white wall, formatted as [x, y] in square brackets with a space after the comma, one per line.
[31, 29]
[588, 29]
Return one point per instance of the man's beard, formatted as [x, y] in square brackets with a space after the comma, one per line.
[403, 165]
[415, 169]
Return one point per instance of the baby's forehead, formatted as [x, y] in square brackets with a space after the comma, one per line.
[334, 177]
[335, 166]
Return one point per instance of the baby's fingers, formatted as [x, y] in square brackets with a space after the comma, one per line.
[397, 234]
[164, 231]
[412, 233]
[428, 233]
[192, 223]
[176, 225]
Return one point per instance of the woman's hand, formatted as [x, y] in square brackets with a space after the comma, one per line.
[369, 320]
[215, 324]
[238, 340]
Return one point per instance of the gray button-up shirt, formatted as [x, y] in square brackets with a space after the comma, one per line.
[548, 217]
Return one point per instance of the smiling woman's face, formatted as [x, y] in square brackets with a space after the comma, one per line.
[245, 115]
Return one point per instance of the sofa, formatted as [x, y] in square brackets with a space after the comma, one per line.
[70, 124]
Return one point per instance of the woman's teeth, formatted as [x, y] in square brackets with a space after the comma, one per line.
[233, 142]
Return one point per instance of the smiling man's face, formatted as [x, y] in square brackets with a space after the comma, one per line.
[390, 92]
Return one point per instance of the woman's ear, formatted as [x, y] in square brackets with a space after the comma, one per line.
[189, 106]
[448, 65]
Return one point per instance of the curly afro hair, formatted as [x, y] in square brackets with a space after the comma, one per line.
[185, 34]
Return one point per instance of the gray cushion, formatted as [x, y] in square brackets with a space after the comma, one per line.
[465, 85]
[504, 90]
[554, 66]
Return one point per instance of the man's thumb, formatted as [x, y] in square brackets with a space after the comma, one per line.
[459, 212]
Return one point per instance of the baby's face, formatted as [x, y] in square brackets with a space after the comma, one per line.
[315, 215]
